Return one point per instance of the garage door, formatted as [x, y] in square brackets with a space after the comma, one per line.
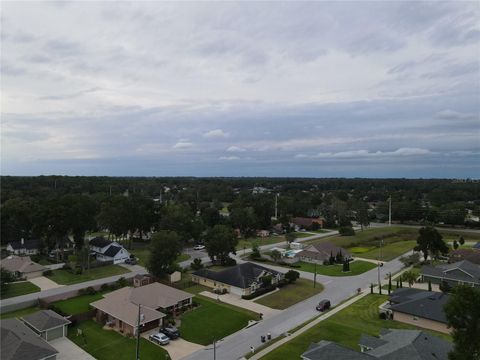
[236, 290]
[55, 333]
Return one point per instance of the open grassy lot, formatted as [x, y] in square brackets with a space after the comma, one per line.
[346, 327]
[19, 313]
[389, 251]
[450, 235]
[247, 243]
[110, 345]
[213, 320]
[291, 294]
[65, 277]
[142, 255]
[78, 304]
[356, 268]
[19, 288]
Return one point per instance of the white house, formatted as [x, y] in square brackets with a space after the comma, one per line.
[106, 250]
[22, 247]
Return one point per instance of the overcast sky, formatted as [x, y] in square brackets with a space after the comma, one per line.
[380, 89]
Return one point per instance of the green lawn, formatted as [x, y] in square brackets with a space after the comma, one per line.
[19, 288]
[142, 255]
[78, 304]
[356, 268]
[19, 313]
[346, 327]
[110, 345]
[213, 320]
[356, 250]
[291, 294]
[389, 251]
[65, 277]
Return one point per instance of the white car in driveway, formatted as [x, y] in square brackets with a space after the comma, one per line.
[199, 247]
[159, 338]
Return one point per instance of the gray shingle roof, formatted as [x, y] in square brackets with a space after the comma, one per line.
[327, 350]
[467, 271]
[100, 241]
[44, 320]
[241, 275]
[371, 341]
[28, 244]
[425, 304]
[18, 342]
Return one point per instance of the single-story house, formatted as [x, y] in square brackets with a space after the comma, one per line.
[120, 307]
[392, 344]
[459, 273]
[19, 342]
[241, 279]
[307, 223]
[48, 324]
[106, 250]
[472, 255]
[318, 253]
[25, 247]
[263, 233]
[418, 307]
[22, 266]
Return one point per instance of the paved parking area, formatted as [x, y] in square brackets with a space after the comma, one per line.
[246, 304]
[178, 348]
[44, 283]
[68, 350]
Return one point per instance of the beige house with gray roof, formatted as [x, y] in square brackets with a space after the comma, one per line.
[22, 267]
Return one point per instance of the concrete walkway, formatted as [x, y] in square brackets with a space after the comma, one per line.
[44, 283]
[236, 300]
[373, 261]
[68, 350]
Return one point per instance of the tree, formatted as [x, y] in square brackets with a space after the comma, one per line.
[429, 285]
[220, 241]
[275, 254]
[461, 240]
[196, 264]
[362, 214]
[210, 216]
[371, 288]
[244, 219]
[291, 276]
[331, 259]
[463, 316]
[346, 266]
[455, 244]
[410, 277]
[178, 218]
[430, 242]
[266, 280]
[6, 277]
[255, 254]
[389, 283]
[290, 237]
[165, 247]
[401, 282]
[339, 257]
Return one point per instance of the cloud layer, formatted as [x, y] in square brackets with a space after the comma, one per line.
[285, 89]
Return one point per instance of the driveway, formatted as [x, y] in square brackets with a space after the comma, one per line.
[246, 304]
[178, 348]
[68, 350]
[44, 283]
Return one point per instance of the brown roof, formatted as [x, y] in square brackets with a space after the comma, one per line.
[118, 304]
[472, 255]
[301, 221]
[22, 264]
[322, 251]
[156, 295]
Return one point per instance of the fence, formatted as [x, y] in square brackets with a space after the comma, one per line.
[55, 266]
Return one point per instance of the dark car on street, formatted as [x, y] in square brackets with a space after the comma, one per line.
[323, 305]
[171, 331]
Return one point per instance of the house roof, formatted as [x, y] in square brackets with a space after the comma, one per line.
[371, 341]
[28, 244]
[100, 242]
[472, 255]
[18, 342]
[469, 271]
[45, 320]
[327, 350]
[322, 251]
[63, 241]
[156, 295]
[112, 251]
[304, 221]
[119, 305]
[476, 246]
[22, 264]
[424, 304]
[241, 275]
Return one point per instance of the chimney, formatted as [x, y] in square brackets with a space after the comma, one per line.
[22, 241]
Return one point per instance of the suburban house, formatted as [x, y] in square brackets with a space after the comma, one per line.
[47, 324]
[307, 223]
[263, 233]
[22, 266]
[392, 344]
[318, 253]
[459, 273]
[476, 246]
[472, 255]
[25, 247]
[241, 279]
[119, 309]
[20, 342]
[418, 307]
[106, 250]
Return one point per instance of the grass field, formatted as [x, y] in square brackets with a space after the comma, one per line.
[291, 294]
[356, 268]
[65, 277]
[110, 345]
[390, 251]
[19, 313]
[213, 320]
[19, 288]
[78, 304]
[346, 327]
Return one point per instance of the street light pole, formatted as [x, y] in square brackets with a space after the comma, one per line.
[138, 335]
[379, 263]
[390, 211]
[315, 276]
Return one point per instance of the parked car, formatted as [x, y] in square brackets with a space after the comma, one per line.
[172, 332]
[131, 261]
[159, 338]
[199, 247]
[323, 305]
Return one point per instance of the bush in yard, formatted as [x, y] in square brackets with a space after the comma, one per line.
[410, 277]
[275, 254]
[326, 262]
[411, 260]
[230, 262]
[47, 272]
[291, 276]
[346, 231]
[90, 291]
[196, 264]
[266, 280]
[122, 282]
[6, 277]
[104, 287]
[255, 254]
[461, 240]
[78, 271]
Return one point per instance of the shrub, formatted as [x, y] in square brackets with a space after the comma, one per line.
[346, 231]
[122, 282]
[259, 292]
[196, 264]
[104, 287]
[230, 262]
[291, 276]
[383, 316]
[90, 290]
[266, 280]
[78, 271]
[47, 272]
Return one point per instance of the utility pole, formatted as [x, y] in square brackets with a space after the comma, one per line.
[390, 211]
[315, 276]
[214, 350]
[276, 206]
[110, 190]
[379, 263]
[138, 335]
